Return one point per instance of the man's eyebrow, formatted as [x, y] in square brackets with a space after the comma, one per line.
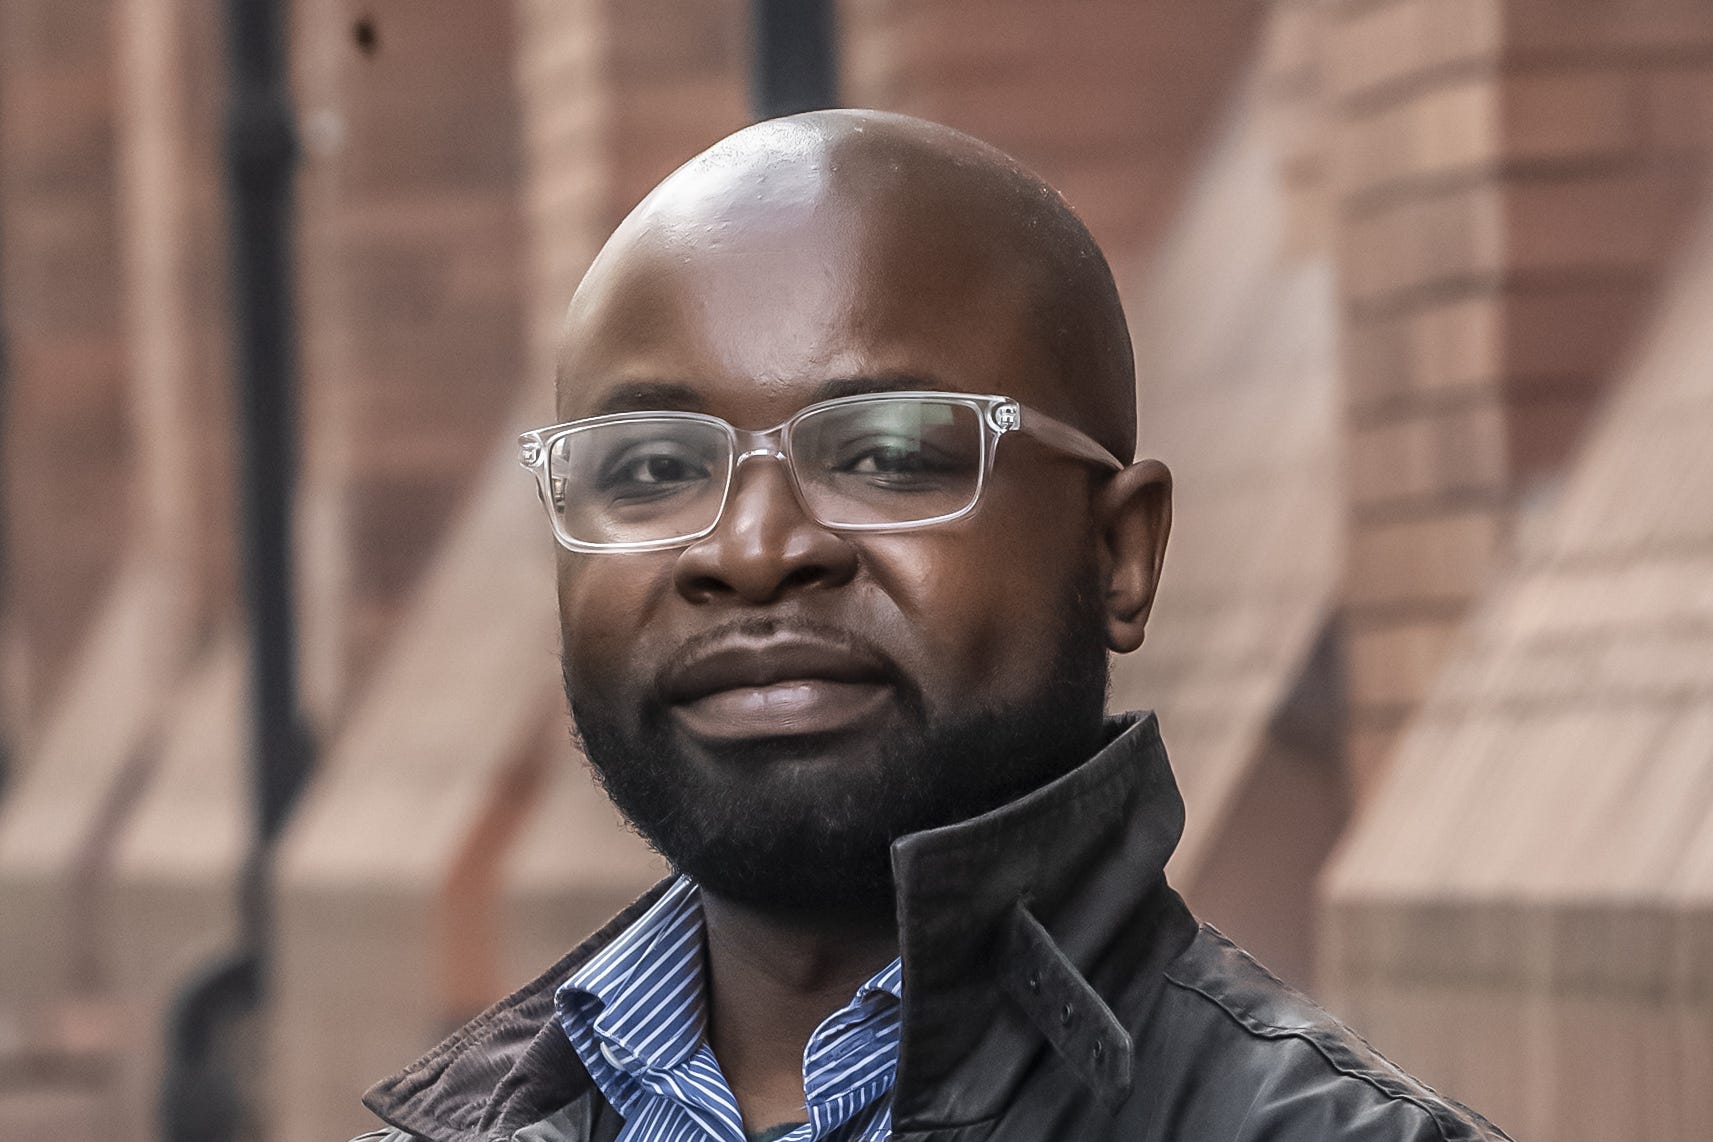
[876, 383]
[650, 396]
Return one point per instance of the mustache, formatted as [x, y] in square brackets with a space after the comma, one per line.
[763, 627]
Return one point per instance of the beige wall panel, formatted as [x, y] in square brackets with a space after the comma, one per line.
[92, 758]
[1540, 828]
[1237, 380]
[171, 910]
[363, 868]
[573, 866]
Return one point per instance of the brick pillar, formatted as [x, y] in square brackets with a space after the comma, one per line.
[67, 444]
[142, 248]
[145, 246]
[1107, 100]
[414, 309]
[616, 96]
[1511, 178]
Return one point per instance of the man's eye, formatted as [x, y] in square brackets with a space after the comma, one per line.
[886, 462]
[648, 472]
[660, 470]
[896, 463]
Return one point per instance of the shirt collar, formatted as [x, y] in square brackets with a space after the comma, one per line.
[641, 995]
[652, 975]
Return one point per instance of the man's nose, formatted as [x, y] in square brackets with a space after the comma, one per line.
[765, 546]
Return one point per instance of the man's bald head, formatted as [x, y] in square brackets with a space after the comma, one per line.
[776, 699]
[899, 192]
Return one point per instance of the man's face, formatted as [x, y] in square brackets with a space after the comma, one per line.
[773, 704]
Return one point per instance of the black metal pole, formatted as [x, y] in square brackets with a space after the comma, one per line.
[261, 155]
[204, 1093]
[795, 66]
[6, 729]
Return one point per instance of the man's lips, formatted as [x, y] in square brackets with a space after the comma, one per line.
[744, 688]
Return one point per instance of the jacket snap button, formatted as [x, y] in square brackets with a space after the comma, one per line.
[1098, 1050]
[1032, 981]
[1065, 1015]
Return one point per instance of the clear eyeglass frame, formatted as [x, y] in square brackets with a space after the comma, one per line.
[998, 416]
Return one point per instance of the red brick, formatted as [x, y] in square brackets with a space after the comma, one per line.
[668, 41]
[1440, 560]
[1629, 27]
[1574, 330]
[414, 273]
[1385, 46]
[1429, 239]
[1679, 108]
[1570, 114]
[1291, 46]
[1391, 462]
[1379, 360]
[1432, 454]
[67, 445]
[1441, 129]
[1394, 664]
[1458, 344]
[1544, 428]
[1628, 220]
[1074, 91]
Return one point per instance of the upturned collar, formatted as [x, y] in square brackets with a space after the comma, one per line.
[1039, 926]
[1028, 924]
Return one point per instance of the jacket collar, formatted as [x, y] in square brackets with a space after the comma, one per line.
[1033, 926]
[1038, 925]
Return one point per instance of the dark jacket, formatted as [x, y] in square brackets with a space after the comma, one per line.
[1055, 989]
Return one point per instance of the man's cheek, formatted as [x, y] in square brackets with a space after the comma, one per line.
[599, 635]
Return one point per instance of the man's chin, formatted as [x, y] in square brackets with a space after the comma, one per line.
[793, 822]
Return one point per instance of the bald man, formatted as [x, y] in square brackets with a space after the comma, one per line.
[848, 525]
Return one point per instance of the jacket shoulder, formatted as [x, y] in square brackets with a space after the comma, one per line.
[1300, 1061]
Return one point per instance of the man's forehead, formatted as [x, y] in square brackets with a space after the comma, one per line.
[798, 301]
[849, 244]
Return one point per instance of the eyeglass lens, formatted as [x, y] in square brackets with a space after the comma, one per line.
[877, 463]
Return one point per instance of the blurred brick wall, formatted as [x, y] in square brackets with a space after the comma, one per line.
[1502, 184]
[1513, 176]
[66, 442]
[617, 95]
[139, 582]
[414, 320]
[1522, 915]
[1107, 99]
[170, 69]
[1519, 910]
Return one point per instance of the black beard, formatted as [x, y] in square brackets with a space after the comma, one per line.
[788, 839]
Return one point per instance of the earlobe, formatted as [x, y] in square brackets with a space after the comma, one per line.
[1135, 519]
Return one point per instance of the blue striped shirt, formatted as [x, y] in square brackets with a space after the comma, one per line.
[637, 1016]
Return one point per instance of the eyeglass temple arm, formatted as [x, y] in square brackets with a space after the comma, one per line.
[1062, 436]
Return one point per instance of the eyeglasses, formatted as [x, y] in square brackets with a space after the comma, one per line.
[639, 481]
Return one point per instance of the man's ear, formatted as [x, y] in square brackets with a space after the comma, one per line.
[1134, 514]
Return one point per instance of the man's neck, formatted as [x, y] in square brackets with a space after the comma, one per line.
[771, 982]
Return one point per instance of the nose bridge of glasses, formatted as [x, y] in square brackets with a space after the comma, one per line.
[758, 444]
[764, 444]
